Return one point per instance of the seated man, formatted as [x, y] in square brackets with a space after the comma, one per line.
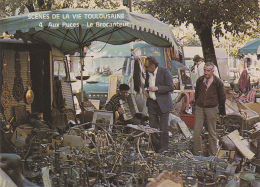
[114, 103]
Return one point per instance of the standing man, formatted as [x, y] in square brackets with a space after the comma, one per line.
[158, 84]
[197, 60]
[210, 97]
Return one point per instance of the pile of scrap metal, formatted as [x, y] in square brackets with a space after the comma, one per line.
[100, 156]
[238, 134]
[94, 154]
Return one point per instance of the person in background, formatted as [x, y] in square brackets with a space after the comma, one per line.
[198, 66]
[197, 60]
[158, 85]
[210, 97]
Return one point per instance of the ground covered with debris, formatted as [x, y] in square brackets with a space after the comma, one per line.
[98, 154]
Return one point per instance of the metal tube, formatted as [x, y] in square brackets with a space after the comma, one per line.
[81, 71]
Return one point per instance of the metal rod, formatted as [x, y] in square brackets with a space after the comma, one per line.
[81, 64]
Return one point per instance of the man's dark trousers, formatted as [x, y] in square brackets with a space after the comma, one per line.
[158, 120]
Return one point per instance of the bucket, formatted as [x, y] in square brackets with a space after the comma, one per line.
[189, 119]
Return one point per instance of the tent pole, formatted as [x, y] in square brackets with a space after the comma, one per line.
[81, 81]
[81, 75]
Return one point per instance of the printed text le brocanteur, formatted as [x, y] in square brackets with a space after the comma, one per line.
[75, 17]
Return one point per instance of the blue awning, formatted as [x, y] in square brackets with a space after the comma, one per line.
[250, 47]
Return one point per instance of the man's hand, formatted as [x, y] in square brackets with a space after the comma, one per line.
[146, 94]
[121, 110]
[153, 88]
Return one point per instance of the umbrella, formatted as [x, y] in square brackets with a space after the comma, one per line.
[250, 47]
[70, 30]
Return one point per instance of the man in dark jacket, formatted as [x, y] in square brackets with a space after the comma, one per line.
[159, 85]
[210, 97]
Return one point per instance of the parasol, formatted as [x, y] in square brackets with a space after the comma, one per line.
[71, 29]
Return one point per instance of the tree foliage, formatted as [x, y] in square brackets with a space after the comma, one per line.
[12, 7]
[209, 17]
[233, 44]
[186, 36]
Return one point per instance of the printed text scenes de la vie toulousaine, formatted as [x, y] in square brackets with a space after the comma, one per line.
[75, 17]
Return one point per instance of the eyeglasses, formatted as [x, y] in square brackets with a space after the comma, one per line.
[147, 66]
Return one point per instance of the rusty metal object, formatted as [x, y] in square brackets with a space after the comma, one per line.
[256, 162]
[234, 121]
[258, 148]
[227, 143]
[118, 159]
[232, 168]
[130, 107]
[246, 178]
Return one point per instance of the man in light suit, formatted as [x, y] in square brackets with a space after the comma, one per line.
[158, 84]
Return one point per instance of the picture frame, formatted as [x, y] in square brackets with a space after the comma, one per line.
[103, 117]
[20, 114]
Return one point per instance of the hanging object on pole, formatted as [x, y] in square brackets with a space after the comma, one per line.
[6, 94]
[29, 96]
[18, 89]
